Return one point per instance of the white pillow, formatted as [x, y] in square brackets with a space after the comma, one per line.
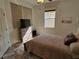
[75, 48]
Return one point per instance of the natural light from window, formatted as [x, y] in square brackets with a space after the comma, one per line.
[49, 19]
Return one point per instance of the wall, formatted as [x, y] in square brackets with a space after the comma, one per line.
[6, 7]
[66, 8]
[6, 39]
[24, 3]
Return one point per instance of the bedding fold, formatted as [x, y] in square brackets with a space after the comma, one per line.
[49, 47]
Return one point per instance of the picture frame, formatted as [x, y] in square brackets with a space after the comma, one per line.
[67, 20]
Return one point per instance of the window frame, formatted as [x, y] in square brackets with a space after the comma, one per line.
[52, 18]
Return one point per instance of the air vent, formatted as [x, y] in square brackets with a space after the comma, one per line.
[49, 0]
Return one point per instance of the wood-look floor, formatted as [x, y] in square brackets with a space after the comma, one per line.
[17, 52]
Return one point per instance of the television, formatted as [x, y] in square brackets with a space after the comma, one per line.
[24, 23]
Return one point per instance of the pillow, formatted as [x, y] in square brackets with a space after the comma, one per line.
[70, 38]
[75, 48]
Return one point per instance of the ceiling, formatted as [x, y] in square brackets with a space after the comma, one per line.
[34, 1]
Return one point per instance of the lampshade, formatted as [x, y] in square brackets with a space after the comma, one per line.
[40, 1]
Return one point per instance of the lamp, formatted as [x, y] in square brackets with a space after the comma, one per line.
[40, 1]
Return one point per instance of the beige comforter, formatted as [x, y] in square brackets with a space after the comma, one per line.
[49, 47]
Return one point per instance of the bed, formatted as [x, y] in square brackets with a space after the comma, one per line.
[49, 47]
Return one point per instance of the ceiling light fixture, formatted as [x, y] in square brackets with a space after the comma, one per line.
[40, 1]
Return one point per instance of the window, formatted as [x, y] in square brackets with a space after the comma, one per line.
[49, 19]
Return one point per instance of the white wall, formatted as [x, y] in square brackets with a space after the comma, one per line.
[5, 5]
[22, 3]
[66, 8]
[6, 40]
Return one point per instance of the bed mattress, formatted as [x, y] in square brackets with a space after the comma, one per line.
[49, 47]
